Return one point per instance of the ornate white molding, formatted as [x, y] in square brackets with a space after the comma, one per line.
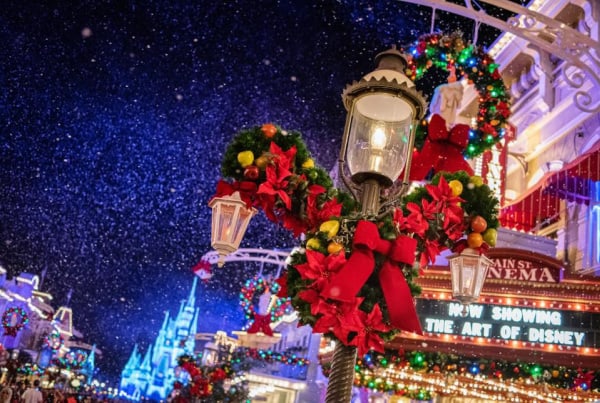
[580, 52]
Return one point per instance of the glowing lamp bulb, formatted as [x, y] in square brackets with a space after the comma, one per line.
[378, 139]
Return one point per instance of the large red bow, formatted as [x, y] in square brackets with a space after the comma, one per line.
[442, 151]
[246, 189]
[349, 280]
[261, 324]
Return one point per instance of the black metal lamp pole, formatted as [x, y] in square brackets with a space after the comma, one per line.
[383, 110]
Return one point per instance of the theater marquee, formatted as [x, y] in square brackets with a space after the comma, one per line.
[545, 326]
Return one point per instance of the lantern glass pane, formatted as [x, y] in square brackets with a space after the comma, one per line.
[379, 135]
[226, 215]
[455, 275]
[481, 276]
[469, 271]
[241, 224]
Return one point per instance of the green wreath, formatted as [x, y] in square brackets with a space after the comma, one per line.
[12, 326]
[54, 341]
[258, 285]
[479, 68]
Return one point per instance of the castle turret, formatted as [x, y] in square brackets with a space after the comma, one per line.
[153, 377]
[89, 366]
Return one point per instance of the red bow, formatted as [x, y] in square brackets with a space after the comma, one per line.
[11, 331]
[246, 189]
[261, 324]
[442, 150]
[349, 280]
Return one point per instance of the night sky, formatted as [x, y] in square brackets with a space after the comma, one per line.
[114, 117]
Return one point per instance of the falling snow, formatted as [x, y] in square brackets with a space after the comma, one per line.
[114, 118]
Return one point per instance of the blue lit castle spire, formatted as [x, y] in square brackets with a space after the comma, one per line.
[152, 377]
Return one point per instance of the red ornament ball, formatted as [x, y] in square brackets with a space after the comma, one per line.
[251, 172]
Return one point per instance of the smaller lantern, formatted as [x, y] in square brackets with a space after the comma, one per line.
[468, 271]
[230, 219]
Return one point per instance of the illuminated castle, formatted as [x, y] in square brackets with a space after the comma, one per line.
[153, 375]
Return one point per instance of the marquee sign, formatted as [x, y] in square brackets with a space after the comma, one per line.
[535, 325]
[522, 265]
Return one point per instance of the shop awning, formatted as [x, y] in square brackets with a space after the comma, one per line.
[541, 204]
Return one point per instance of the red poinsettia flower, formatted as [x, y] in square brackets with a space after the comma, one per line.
[284, 159]
[453, 214]
[338, 317]
[431, 250]
[442, 193]
[278, 173]
[454, 223]
[399, 220]
[317, 214]
[430, 209]
[319, 267]
[455, 231]
[415, 221]
[283, 290]
[331, 208]
[293, 223]
[276, 184]
[311, 296]
[266, 202]
[368, 337]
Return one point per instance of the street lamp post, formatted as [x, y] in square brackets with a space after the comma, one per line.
[384, 109]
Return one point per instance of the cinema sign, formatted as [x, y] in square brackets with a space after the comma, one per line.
[523, 265]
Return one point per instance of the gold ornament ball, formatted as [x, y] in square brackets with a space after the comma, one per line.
[456, 186]
[262, 161]
[331, 227]
[245, 158]
[313, 243]
[334, 248]
[309, 163]
[476, 180]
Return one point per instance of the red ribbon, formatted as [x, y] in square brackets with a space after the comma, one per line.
[346, 284]
[11, 331]
[246, 189]
[442, 151]
[261, 324]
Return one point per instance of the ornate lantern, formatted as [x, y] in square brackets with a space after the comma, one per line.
[468, 271]
[384, 109]
[230, 219]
